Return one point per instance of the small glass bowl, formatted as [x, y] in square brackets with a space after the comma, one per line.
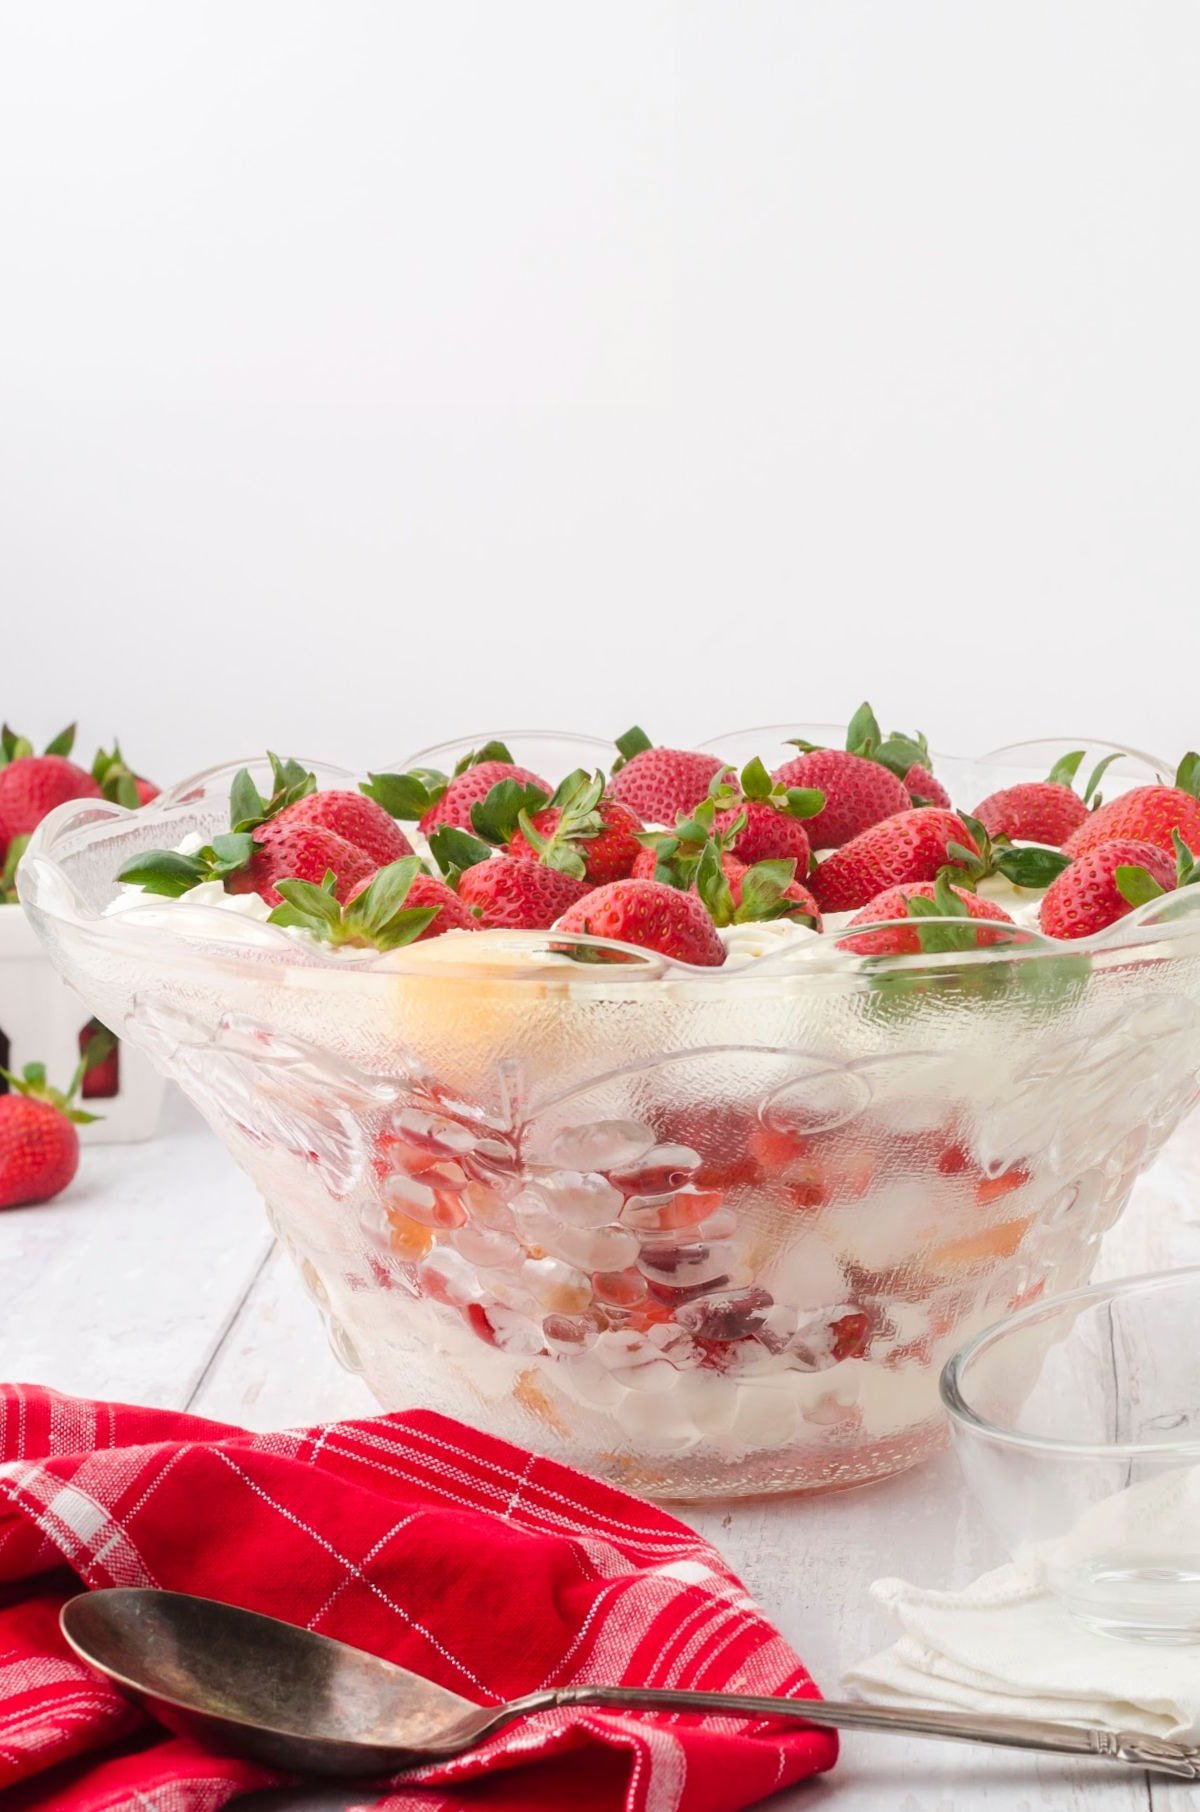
[1077, 1425]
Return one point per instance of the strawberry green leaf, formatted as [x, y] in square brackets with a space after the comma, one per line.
[228, 853]
[712, 884]
[308, 902]
[948, 903]
[455, 850]
[803, 801]
[962, 857]
[756, 782]
[1032, 867]
[8, 875]
[376, 920]
[404, 927]
[496, 817]
[763, 888]
[1187, 777]
[953, 930]
[576, 800]
[1090, 795]
[1065, 769]
[388, 890]
[806, 748]
[163, 871]
[724, 789]
[63, 743]
[407, 796]
[15, 748]
[247, 807]
[862, 732]
[101, 1044]
[289, 782]
[899, 753]
[633, 742]
[1187, 868]
[491, 751]
[1135, 884]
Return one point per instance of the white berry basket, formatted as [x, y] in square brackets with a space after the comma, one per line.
[41, 1019]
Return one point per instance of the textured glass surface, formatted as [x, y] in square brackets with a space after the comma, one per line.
[704, 1232]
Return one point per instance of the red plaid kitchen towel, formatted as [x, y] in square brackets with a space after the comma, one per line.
[489, 1569]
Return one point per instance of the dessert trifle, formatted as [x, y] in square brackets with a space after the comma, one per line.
[675, 1111]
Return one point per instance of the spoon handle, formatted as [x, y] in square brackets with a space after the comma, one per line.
[1042, 1734]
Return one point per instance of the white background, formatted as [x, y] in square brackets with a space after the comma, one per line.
[373, 371]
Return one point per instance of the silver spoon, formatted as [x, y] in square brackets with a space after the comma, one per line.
[252, 1686]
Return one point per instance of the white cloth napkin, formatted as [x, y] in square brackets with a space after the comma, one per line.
[1007, 1644]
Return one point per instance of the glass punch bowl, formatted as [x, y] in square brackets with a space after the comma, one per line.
[705, 1232]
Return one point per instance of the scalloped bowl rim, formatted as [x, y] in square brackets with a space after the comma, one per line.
[67, 829]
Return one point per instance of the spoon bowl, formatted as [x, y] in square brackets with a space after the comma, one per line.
[252, 1686]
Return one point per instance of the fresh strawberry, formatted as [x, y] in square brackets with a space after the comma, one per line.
[466, 790]
[302, 852]
[912, 902]
[651, 915]
[397, 905]
[658, 784]
[102, 1070]
[1034, 811]
[580, 832]
[32, 785]
[858, 793]
[735, 893]
[856, 799]
[1087, 896]
[513, 894]
[435, 799]
[767, 834]
[118, 782]
[1149, 814]
[924, 787]
[803, 905]
[262, 846]
[354, 817]
[758, 821]
[1043, 811]
[910, 846]
[795, 899]
[39, 1146]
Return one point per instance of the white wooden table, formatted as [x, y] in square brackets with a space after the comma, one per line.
[154, 1280]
